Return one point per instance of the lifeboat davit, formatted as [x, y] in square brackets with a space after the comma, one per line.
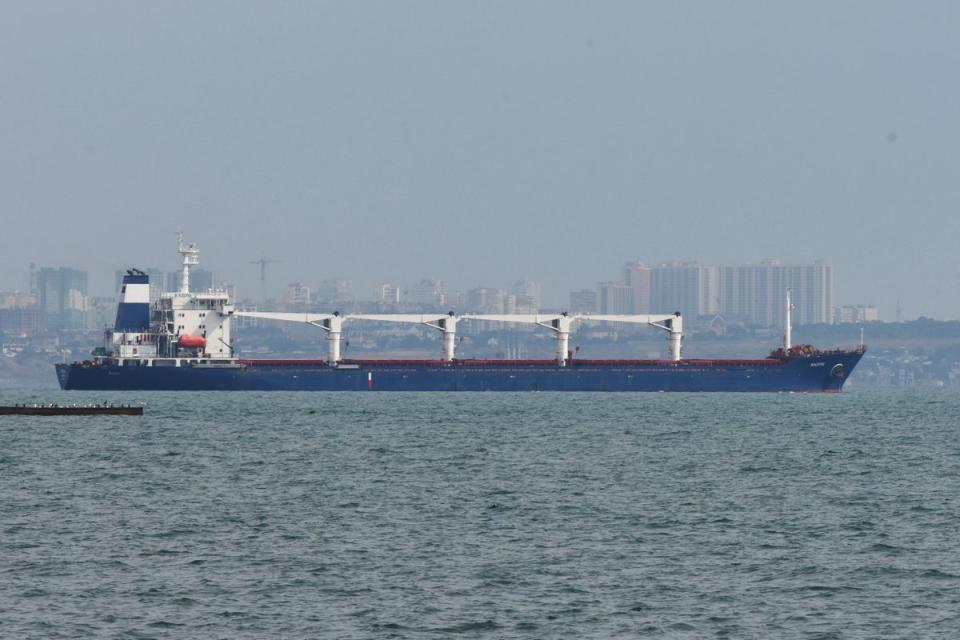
[192, 342]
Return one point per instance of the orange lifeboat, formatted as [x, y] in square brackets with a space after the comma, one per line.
[192, 342]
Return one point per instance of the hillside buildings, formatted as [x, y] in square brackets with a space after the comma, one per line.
[855, 314]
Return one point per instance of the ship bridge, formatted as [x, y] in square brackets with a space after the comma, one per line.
[181, 323]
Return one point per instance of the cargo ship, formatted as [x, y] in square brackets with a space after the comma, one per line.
[183, 342]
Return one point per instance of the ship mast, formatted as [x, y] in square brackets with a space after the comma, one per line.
[191, 257]
[788, 329]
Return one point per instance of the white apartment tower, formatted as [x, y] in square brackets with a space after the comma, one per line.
[755, 292]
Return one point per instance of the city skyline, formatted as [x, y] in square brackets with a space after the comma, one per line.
[752, 293]
[249, 283]
[167, 279]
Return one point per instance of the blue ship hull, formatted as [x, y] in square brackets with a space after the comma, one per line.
[820, 372]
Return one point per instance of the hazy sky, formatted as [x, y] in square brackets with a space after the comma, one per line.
[483, 142]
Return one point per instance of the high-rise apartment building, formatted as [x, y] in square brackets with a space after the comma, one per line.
[583, 301]
[428, 294]
[756, 293]
[686, 287]
[101, 312]
[62, 296]
[638, 277]
[386, 293]
[333, 291]
[614, 298]
[21, 321]
[529, 295]
[486, 300]
[298, 296]
[753, 293]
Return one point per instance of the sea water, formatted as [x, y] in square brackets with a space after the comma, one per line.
[538, 515]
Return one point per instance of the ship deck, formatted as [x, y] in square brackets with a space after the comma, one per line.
[496, 363]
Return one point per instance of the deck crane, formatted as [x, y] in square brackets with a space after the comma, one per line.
[562, 323]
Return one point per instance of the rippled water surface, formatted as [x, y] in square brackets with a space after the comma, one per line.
[296, 515]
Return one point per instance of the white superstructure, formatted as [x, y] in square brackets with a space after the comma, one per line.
[198, 315]
[196, 323]
[183, 326]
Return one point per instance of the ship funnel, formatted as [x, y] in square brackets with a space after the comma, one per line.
[133, 312]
